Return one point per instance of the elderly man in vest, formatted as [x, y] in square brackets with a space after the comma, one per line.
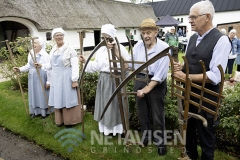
[150, 96]
[213, 48]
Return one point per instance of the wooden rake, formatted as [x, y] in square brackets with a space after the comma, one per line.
[180, 86]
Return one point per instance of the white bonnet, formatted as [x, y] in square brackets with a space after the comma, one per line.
[55, 30]
[109, 29]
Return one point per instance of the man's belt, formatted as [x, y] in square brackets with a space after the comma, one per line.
[143, 75]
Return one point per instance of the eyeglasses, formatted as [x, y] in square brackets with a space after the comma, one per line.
[58, 35]
[195, 17]
[108, 39]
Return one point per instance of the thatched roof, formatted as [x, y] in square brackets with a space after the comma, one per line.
[76, 14]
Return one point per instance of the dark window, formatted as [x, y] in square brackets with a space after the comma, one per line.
[230, 28]
[127, 32]
[49, 36]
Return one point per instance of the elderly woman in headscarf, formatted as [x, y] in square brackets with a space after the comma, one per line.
[36, 98]
[64, 81]
[111, 122]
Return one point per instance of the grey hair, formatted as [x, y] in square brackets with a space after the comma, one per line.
[233, 31]
[223, 31]
[204, 7]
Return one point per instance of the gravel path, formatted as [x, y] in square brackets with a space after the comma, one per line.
[13, 147]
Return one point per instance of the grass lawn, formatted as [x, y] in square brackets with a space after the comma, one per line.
[13, 117]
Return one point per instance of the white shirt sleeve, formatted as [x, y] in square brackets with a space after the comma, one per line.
[74, 65]
[100, 63]
[219, 57]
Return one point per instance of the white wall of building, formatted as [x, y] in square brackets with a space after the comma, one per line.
[73, 37]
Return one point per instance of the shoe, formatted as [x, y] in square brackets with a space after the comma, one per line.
[32, 116]
[162, 151]
[122, 135]
[68, 126]
[43, 117]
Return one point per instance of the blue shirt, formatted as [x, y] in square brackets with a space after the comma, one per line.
[158, 69]
[219, 56]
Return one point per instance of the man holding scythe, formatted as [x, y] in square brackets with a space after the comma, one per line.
[150, 96]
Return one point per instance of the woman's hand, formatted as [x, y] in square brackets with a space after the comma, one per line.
[37, 65]
[47, 86]
[16, 69]
[81, 59]
[74, 84]
[111, 44]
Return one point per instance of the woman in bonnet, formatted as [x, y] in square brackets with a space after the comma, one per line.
[37, 101]
[64, 81]
[111, 122]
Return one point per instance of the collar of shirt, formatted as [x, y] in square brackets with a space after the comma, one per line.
[37, 54]
[40, 53]
[60, 50]
[153, 50]
[200, 38]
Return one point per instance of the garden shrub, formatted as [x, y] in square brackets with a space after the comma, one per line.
[228, 132]
[90, 81]
[20, 49]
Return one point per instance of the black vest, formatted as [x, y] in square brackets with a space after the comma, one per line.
[203, 51]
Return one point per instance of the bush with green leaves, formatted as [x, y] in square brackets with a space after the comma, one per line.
[90, 81]
[228, 132]
[20, 49]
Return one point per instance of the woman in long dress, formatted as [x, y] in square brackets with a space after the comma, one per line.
[36, 98]
[64, 81]
[111, 122]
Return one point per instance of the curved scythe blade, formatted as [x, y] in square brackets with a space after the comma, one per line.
[89, 58]
[124, 82]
